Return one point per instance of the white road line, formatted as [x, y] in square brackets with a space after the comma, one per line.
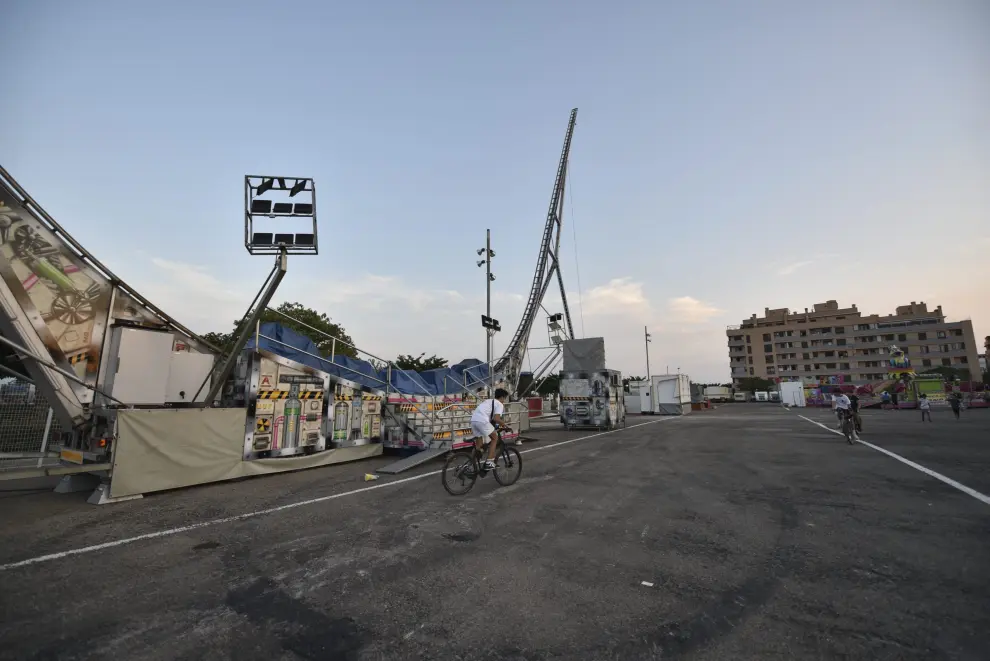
[272, 510]
[983, 498]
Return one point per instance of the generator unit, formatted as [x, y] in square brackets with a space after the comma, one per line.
[592, 399]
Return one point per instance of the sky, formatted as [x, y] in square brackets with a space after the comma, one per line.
[728, 157]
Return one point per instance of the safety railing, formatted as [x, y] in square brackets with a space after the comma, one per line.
[29, 428]
[429, 413]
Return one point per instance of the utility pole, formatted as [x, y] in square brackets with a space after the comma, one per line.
[488, 302]
[647, 334]
[491, 325]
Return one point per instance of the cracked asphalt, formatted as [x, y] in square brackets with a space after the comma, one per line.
[763, 536]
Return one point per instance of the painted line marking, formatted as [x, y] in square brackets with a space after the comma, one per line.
[646, 583]
[983, 498]
[280, 508]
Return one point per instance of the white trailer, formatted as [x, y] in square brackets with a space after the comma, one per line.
[792, 393]
[718, 393]
[670, 394]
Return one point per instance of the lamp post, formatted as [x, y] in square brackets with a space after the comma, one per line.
[648, 340]
[491, 325]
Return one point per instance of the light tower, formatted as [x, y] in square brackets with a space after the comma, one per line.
[280, 220]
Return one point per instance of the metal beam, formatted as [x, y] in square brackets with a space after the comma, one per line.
[52, 366]
[263, 299]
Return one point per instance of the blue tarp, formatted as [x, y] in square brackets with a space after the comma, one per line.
[296, 346]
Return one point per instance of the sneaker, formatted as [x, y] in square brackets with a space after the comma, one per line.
[488, 465]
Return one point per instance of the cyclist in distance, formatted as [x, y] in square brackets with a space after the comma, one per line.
[484, 421]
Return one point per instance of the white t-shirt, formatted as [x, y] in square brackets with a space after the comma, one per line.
[484, 411]
[842, 402]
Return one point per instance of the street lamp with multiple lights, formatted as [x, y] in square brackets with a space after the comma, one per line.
[490, 325]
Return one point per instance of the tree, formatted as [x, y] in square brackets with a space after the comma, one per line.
[550, 385]
[419, 364]
[219, 340]
[755, 384]
[303, 320]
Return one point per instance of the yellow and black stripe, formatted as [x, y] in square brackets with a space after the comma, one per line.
[311, 394]
[273, 394]
[408, 408]
[262, 425]
[371, 398]
[441, 435]
[79, 358]
[572, 399]
[343, 398]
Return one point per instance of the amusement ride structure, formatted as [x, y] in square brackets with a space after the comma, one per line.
[111, 364]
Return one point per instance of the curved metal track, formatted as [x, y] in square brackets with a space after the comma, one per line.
[547, 269]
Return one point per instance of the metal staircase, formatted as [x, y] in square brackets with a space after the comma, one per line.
[547, 269]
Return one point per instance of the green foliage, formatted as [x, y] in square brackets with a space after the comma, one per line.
[550, 385]
[317, 326]
[755, 384]
[420, 364]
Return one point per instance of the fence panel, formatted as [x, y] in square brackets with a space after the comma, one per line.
[27, 424]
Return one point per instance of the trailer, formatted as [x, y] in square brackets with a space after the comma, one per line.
[792, 394]
[718, 393]
[592, 399]
[670, 394]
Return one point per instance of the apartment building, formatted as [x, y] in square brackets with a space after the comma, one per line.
[829, 344]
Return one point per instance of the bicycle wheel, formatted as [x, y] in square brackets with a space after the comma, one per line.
[460, 472]
[508, 466]
[847, 430]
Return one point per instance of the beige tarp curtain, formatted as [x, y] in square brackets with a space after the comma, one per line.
[159, 449]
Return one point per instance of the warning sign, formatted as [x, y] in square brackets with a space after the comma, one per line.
[267, 381]
[263, 425]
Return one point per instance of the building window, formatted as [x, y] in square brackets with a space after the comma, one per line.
[841, 342]
[922, 336]
[946, 361]
[926, 363]
[748, 338]
[751, 371]
[771, 370]
[944, 348]
[769, 359]
[766, 337]
[750, 360]
[749, 350]
[806, 356]
[902, 337]
[807, 368]
[940, 335]
[767, 348]
[963, 360]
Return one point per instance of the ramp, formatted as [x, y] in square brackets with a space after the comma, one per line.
[411, 461]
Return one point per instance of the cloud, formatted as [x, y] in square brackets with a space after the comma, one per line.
[692, 311]
[619, 296]
[791, 268]
[389, 315]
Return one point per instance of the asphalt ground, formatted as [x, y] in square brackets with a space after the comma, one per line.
[741, 533]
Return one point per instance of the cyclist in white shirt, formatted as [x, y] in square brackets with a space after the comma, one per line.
[486, 416]
[843, 406]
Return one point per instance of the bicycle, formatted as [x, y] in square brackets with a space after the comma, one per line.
[463, 467]
[848, 426]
